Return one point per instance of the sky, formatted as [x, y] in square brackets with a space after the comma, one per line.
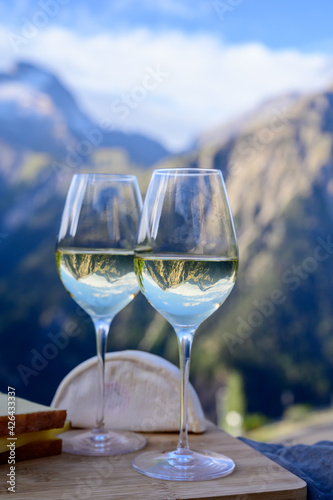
[173, 69]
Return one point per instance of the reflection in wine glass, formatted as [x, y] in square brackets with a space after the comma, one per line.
[95, 263]
[186, 261]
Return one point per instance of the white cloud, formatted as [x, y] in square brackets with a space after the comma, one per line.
[208, 82]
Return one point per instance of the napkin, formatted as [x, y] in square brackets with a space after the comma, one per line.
[313, 464]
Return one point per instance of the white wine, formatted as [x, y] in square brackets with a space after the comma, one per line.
[184, 290]
[102, 281]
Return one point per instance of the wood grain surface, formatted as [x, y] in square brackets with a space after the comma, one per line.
[70, 477]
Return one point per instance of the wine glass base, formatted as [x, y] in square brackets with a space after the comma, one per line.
[107, 443]
[184, 465]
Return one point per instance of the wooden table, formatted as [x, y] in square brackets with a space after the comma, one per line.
[70, 477]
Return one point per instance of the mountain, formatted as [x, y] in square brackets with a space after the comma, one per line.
[270, 345]
[275, 329]
[37, 112]
[41, 127]
[253, 118]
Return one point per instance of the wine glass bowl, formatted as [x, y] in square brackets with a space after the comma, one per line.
[186, 261]
[94, 259]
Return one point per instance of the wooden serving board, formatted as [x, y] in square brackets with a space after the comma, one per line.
[71, 477]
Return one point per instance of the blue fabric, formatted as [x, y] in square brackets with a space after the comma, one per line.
[313, 464]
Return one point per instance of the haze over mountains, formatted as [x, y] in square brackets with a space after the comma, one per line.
[274, 334]
[37, 112]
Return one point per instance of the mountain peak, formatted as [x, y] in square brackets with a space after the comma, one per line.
[38, 112]
[26, 66]
[32, 75]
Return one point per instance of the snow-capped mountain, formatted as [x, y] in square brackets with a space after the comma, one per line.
[37, 112]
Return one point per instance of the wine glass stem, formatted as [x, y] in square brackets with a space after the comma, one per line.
[102, 330]
[185, 338]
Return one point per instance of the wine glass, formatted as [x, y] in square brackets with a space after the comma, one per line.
[94, 258]
[186, 261]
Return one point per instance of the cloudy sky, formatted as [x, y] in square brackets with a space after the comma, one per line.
[172, 68]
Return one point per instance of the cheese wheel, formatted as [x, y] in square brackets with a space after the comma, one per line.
[142, 393]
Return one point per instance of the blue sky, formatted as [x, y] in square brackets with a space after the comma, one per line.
[305, 25]
[219, 58]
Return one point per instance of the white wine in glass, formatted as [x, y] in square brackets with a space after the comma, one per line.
[186, 261]
[94, 258]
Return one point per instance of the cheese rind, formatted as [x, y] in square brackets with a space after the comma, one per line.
[38, 449]
[142, 393]
[29, 416]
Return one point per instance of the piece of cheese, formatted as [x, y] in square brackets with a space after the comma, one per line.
[142, 393]
[32, 437]
[30, 428]
[29, 416]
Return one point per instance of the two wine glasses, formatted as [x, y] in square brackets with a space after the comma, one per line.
[185, 262]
